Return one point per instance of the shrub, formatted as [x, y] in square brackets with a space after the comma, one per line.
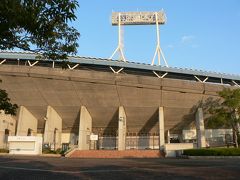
[213, 152]
[49, 151]
[4, 151]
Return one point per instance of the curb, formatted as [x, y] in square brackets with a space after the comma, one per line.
[38, 155]
[213, 157]
[50, 155]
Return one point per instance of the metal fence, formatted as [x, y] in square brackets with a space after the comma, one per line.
[142, 142]
[107, 142]
[220, 141]
[132, 142]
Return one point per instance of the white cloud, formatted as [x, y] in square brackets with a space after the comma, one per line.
[170, 46]
[186, 39]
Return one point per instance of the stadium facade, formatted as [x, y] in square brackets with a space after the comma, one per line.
[98, 103]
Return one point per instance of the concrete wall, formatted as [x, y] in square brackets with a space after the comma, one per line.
[175, 149]
[6, 122]
[26, 122]
[53, 128]
[70, 138]
[25, 145]
[85, 129]
[102, 93]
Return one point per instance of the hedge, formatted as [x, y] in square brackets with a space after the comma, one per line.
[4, 151]
[49, 151]
[213, 152]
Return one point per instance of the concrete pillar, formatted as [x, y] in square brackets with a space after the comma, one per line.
[161, 128]
[53, 128]
[168, 137]
[26, 121]
[7, 128]
[122, 128]
[201, 141]
[85, 129]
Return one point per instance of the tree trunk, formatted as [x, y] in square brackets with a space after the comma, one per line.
[235, 138]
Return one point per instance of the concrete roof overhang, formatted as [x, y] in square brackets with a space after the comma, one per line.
[133, 67]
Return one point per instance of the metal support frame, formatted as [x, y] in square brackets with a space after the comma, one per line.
[120, 43]
[2, 61]
[234, 82]
[116, 72]
[30, 64]
[159, 76]
[158, 50]
[221, 81]
[73, 66]
[205, 80]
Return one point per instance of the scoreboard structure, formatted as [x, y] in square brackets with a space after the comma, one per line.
[138, 18]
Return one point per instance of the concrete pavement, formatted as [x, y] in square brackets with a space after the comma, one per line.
[20, 167]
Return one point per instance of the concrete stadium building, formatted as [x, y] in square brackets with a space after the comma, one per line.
[128, 105]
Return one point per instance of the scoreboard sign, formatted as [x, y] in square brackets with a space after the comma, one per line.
[138, 18]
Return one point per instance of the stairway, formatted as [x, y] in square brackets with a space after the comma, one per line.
[116, 154]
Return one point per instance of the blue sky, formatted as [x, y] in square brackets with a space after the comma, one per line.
[203, 34]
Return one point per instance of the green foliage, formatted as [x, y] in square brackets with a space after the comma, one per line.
[225, 112]
[4, 151]
[39, 26]
[49, 151]
[5, 103]
[213, 152]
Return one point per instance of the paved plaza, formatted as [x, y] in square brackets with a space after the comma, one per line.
[34, 168]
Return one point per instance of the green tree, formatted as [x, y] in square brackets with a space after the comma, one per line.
[5, 103]
[41, 26]
[225, 113]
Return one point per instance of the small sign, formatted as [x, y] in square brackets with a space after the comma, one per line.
[93, 137]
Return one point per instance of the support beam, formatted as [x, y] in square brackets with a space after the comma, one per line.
[122, 128]
[53, 129]
[116, 72]
[27, 123]
[160, 76]
[158, 51]
[198, 79]
[236, 83]
[201, 141]
[161, 128]
[73, 66]
[85, 129]
[32, 64]
[168, 137]
[3, 61]
[119, 48]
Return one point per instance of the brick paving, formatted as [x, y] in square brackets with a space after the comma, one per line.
[116, 154]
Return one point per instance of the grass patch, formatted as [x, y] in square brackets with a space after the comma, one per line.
[213, 152]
